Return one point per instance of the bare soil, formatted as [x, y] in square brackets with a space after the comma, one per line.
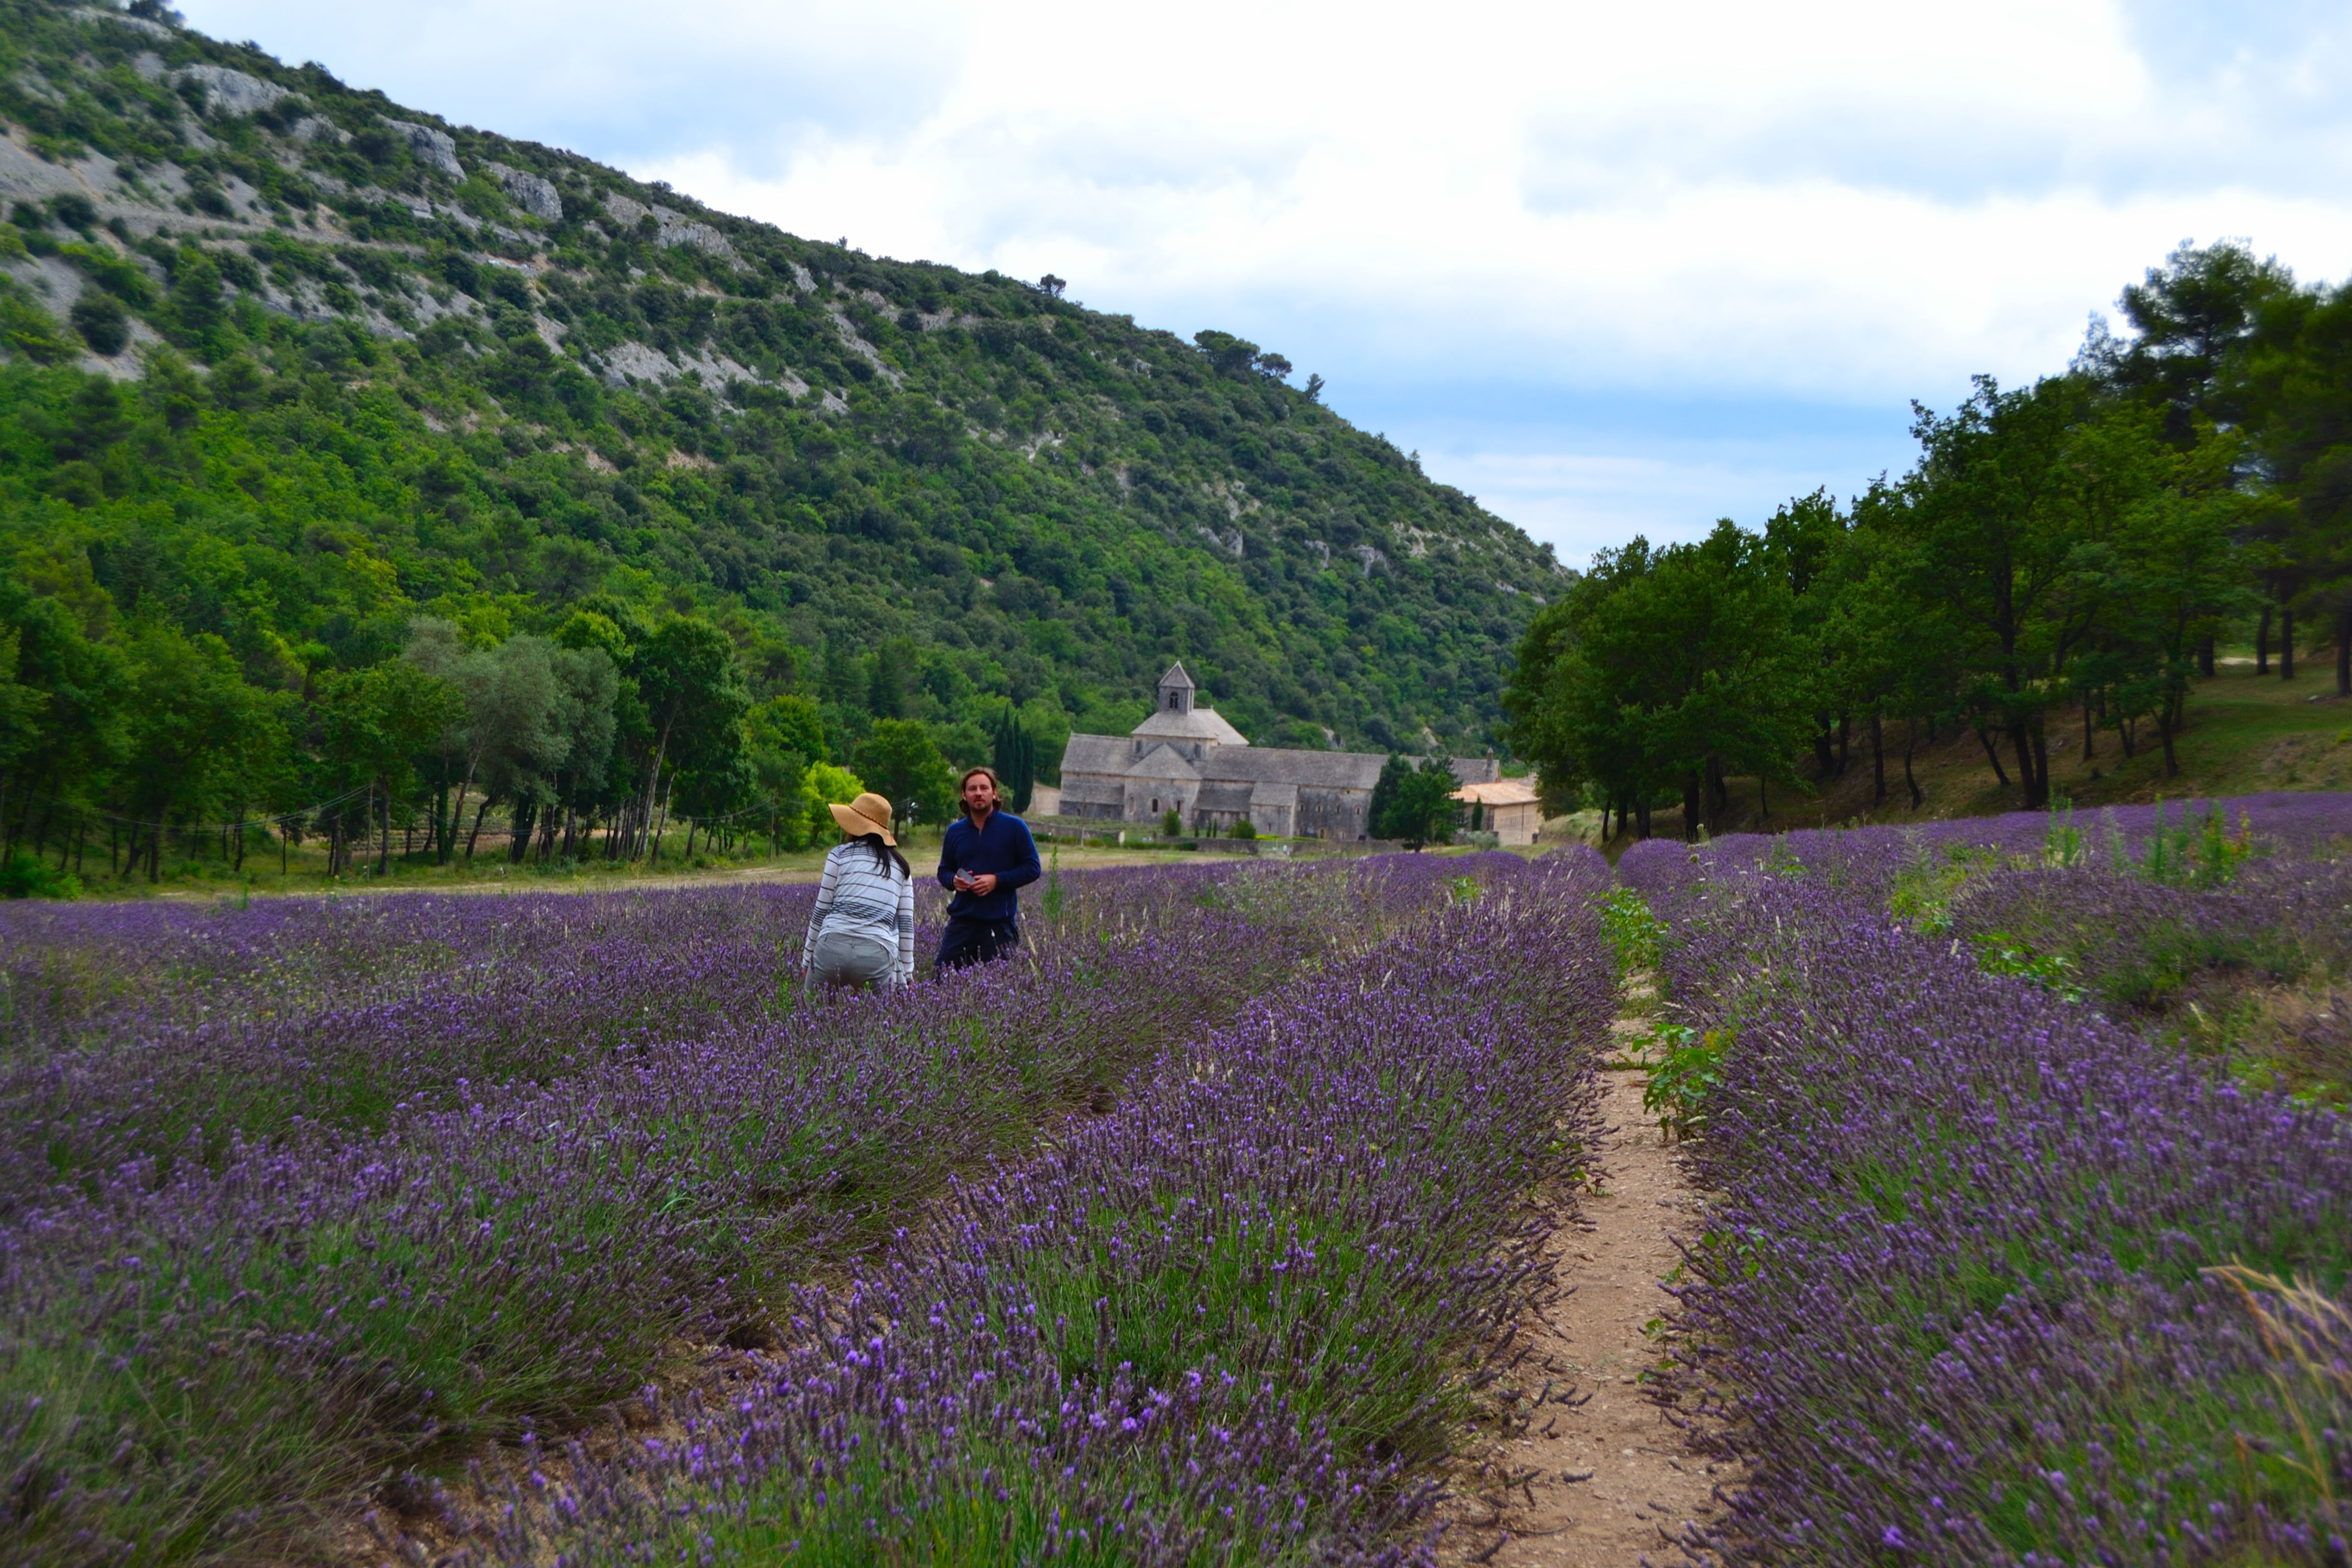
[1595, 1476]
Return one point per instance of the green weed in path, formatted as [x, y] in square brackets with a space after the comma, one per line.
[1685, 1067]
[1633, 933]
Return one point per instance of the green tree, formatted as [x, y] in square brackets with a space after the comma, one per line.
[200, 737]
[1414, 804]
[1014, 757]
[1997, 509]
[823, 785]
[695, 699]
[377, 723]
[2297, 386]
[902, 763]
[1663, 671]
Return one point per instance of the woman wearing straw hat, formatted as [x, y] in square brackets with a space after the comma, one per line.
[863, 928]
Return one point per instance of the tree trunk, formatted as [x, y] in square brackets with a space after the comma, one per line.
[692, 823]
[2167, 723]
[456, 816]
[1993, 755]
[2205, 658]
[240, 846]
[479, 812]
[383, 842]
[2263, 643]
[1690, 807]
[662, 823]
[2286, 643]
[2089, 734]
[2037, 789]
[2344, 651]
[1763, 797]
[1845, 738]
[1642, 818]
[1825, 755]
[1877, 758]
[526, 813]
[1910, 744]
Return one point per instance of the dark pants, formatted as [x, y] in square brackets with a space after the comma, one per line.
[970, 942]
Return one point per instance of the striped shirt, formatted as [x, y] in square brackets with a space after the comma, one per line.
[857, 898]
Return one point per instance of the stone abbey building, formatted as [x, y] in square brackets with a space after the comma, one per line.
[1186, 758]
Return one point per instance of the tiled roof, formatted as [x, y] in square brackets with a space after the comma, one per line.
[1096, 755]
[1163, 762]
[1200, 724]
[1502, 791]
[1310, 770]
[1219, 795]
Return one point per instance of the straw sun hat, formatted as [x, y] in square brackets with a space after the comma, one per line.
[870, 813]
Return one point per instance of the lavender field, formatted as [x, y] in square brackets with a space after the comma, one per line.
[1178, 1239]
[2032, 1216]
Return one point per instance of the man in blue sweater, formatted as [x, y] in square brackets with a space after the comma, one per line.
[983, 858]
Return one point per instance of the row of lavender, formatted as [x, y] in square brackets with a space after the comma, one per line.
[1223, 1323]
[255, 1252]
[1992, 1277]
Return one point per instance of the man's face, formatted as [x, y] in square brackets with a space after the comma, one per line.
[979, 795]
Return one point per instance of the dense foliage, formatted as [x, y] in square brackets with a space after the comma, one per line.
[299, 1196]
[2070, 548]
[1997, 1273]
[388, 369]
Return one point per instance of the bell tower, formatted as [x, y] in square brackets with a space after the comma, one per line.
[1176, 691]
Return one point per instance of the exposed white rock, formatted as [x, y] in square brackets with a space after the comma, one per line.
[149, 65]
[436, 148]
[670, 227]
[26, 175]
[1229, 542]
[310, 127]
[536, 196]
[1234, 497]
[232, 93]
[802, 279]
[834, 403]
[633, 361]
[862, 349]
[102, 14]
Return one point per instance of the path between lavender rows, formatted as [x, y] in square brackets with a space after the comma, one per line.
[1615, 1485]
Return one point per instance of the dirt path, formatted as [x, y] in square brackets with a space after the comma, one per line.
[1612, 1483]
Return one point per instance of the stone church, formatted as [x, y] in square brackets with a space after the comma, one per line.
[1186, 758]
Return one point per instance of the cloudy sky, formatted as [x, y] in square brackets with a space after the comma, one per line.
[1611, 268]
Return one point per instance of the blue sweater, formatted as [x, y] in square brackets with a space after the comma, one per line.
[1003, 847]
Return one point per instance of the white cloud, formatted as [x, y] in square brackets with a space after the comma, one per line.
[1760, 211]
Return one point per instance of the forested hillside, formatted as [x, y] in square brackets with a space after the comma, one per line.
[2065, 553]
[292, 371]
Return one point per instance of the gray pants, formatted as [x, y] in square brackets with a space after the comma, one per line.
[844, 959]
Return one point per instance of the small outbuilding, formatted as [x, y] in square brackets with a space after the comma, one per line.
[1507, 808]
